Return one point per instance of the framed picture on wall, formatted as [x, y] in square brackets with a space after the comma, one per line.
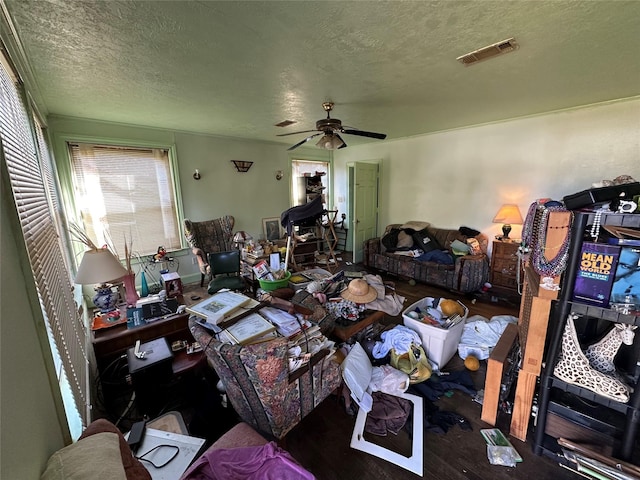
[271, 228]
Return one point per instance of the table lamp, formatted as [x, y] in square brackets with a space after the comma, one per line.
[240, 238]
[507, 215]
[100, 266]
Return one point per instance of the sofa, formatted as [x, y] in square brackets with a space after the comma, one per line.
[435, 256]
[102, 453]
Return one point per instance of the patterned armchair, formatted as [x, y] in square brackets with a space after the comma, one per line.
[209, 236]
[259, 386]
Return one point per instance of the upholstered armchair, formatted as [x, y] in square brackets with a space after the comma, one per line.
[258, 384]
[209, 236]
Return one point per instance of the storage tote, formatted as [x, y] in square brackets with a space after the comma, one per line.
[439, 343]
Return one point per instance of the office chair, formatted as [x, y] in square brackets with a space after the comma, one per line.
[225, 271]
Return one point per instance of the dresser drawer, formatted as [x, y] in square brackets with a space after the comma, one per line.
[504, 264]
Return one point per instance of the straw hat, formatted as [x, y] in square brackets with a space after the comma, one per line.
[359, 291]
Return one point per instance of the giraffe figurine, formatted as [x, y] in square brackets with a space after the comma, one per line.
[602, 353]
[573, 367]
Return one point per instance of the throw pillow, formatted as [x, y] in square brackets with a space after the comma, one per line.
[405, 241]
[390, 240]
[97, 456]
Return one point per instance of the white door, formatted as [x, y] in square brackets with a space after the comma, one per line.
[363, 192]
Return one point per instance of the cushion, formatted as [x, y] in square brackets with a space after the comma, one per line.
[415, 225]
[357, 371]
[97, 456]
[390, 239]
[404, 240]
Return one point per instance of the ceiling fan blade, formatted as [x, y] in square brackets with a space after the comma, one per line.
[362, 133]
[295, 133]
[344, 144]
[304, 141]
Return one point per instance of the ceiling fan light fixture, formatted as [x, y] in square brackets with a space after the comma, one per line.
[330, 142]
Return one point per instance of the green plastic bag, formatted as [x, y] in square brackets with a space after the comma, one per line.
[414, 363]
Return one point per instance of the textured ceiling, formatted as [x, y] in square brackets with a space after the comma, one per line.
[237, 68]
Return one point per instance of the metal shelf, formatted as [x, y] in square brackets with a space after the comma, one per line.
[565, 305]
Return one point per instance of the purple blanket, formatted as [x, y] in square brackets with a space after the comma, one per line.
[265, 462]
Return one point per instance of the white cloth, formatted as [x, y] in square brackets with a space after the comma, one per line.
[480, 335]
[390, 304]
[399, 338]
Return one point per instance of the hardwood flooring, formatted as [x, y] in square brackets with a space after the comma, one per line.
[321, 441]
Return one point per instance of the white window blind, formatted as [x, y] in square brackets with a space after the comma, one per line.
[126, 192]
[31, 192]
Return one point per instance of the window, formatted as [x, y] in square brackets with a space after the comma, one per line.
[302, 168]
[29, 172]
[126, 192]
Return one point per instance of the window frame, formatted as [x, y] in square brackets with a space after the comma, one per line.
[65, 169]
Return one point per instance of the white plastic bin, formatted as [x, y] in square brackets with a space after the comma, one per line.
[440, 344]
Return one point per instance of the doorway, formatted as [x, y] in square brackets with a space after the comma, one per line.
[363, 205]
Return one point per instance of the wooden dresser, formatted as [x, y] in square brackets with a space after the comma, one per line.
[504, 265]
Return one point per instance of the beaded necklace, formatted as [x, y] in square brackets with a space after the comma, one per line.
[534, 234]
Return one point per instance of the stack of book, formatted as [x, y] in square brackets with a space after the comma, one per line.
[286, 323]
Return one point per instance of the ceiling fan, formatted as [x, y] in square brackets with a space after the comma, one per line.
[331, 128]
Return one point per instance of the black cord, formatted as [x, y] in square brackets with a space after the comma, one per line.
[175, 453]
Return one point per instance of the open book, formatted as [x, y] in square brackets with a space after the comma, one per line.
[219, 306]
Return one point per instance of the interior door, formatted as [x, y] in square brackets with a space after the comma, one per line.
[363, 193]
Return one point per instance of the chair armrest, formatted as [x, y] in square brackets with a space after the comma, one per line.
[201, 258]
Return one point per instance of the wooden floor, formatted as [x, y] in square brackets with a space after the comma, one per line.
[321, 441]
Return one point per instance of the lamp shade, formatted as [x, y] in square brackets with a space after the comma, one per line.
[330, 142]
[99, 266]
[508, 213]
[241, 237]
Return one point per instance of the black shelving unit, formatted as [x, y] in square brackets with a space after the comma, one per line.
[549, 384]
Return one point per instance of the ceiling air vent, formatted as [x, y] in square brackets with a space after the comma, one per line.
[285, 123]
[484, 53]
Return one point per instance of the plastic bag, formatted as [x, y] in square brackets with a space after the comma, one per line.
[387, 379]
[414, 363]
[499, 455]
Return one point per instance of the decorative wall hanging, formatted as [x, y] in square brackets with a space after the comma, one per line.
[242, 165]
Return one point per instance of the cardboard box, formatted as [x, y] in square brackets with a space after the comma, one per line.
[594, 277]
[440, 344]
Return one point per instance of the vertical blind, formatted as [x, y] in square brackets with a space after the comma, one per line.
[32, 186]
[126, 192]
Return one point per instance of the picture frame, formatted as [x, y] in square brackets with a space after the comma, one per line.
[271, 229]
[219, 306]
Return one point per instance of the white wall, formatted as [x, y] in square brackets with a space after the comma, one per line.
[461, 177]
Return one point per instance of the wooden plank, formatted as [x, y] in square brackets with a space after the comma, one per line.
[495, 369]
[536, 284]
[536, 335]
[522, 404]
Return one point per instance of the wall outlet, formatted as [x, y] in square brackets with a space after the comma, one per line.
[194, 261]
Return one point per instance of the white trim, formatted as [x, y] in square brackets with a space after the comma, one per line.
[414, 463]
